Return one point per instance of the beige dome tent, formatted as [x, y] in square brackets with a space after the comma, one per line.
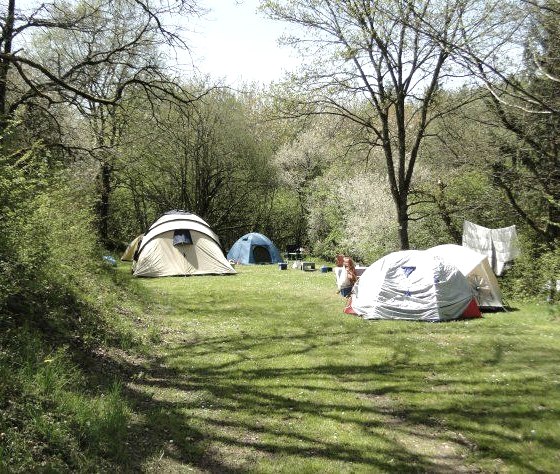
[478, 271]
[128, 254]
[180, 243]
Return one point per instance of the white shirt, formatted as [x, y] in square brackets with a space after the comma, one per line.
[342, 280]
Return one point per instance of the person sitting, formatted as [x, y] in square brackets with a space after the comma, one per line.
[351, 269]
[345, 274]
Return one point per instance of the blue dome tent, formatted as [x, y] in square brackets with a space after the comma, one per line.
[254, 248]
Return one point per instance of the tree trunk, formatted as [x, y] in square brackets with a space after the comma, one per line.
[7, 34]
[103, 208]
[402, 217]
[552, 229]
[445, 215]
[302, 220]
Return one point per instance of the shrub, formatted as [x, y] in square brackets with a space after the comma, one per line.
[355, 217]
[534, 273]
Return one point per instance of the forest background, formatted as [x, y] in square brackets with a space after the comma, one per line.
[402, 123]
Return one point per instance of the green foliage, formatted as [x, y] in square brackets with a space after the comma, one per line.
[208, 159]
[22, 178]
[464, 193]
[527, 109]
[49, 420]
[49, 254]
[534, 273]
[282, 221]
[125, 224]
[47, 234]
[353, 214]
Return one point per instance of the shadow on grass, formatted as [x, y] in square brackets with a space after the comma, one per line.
[228, 416]
[288, 398]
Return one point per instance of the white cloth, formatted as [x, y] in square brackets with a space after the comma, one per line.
[499, 245]
[506, 246]
[342, 280]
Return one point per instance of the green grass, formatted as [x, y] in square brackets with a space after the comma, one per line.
[62, 406]
[51, 421]
[262, 372]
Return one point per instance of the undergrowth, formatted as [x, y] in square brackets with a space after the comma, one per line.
[61, 406]
[62, 310]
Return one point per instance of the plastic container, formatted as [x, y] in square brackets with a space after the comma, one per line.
[282, 266]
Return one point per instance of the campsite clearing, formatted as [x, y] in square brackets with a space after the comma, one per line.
[262, 372]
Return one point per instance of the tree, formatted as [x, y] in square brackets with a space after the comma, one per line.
[525, 103]
[529, 173]
[357, 220]
[514, 47]
[26, 74]
[300, 162]
[207, 160]
[90, 56]
[453, 181]
[379, 69]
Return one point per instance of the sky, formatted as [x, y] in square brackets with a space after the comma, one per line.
[232, 42]
[235, 43]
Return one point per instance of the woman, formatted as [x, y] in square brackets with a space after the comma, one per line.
[345, 273]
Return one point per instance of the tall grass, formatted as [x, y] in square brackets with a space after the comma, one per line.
[50, 419]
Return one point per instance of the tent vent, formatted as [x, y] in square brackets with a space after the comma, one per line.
[182, 237]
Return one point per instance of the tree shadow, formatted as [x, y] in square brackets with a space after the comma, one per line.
[229, 403]
[192, 417]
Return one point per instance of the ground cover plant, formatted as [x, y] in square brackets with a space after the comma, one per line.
[62, 407]
[262, 372]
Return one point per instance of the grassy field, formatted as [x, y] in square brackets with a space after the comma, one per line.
[262, 372]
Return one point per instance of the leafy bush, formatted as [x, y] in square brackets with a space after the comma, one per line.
[52, 277]
[49, 245]
[21, 179]
[534, 273]
[354, 216]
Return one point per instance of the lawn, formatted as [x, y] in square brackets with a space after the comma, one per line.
[262, 372]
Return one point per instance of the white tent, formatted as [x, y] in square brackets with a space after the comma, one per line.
[128, 254]
[412, 285]
[180, 243]
[476, 268]
[499, 245]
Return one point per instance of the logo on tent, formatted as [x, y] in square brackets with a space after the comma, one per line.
[408, 270]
